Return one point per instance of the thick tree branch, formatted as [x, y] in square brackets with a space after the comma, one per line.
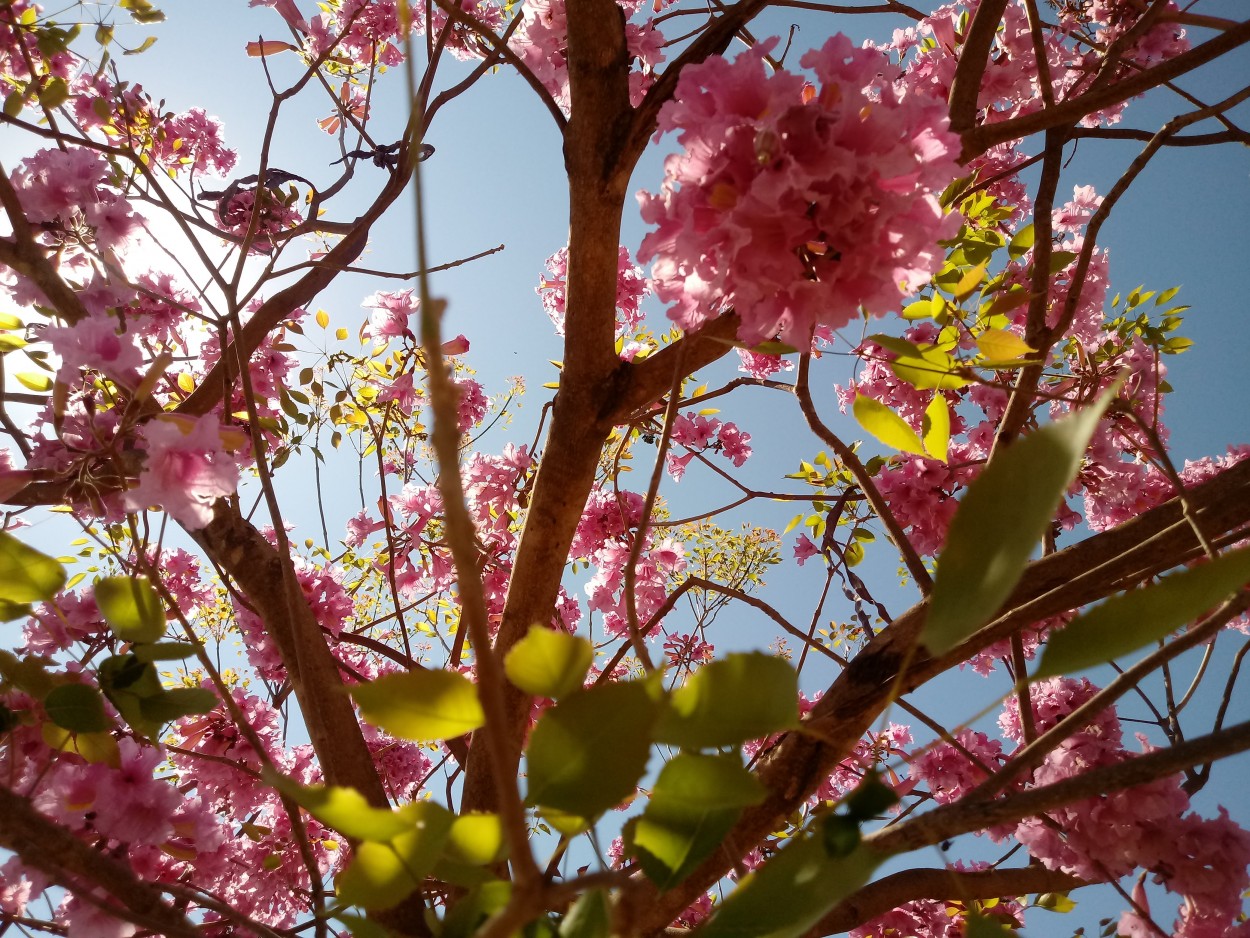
[255, 566]
[69, 862]
[979, 139]
[1153, 542]
[598, 175]
[966, 816]
[894, 890]
[974, 56]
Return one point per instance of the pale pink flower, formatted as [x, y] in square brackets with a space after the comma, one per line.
[188, 467]
[391, 315]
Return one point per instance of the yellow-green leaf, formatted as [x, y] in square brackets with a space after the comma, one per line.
[34, 381]
[422, 706]
[547, 663]
[131, 607]
[26, 575]
[1131, 620]
[886, 426]
[1003, 345]
[937, 427]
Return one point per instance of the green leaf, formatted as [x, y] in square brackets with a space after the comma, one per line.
[932, 369]
[54, 93]
[176, 703]
[1021, 242]
[695, 802]
[347, 810]
[1003, 345]
[165, 651]
[885, 425]
[589, 917]
[131, 607]
[999, 523]
[476, 839]
[422, 706]
[1056, 901]
[382, 875]
[142, 47]
[26, 575]
[1131, 620]
[588, 751]
[77, 708]
[977, 925]
[547, 663]
[467, 915]
[10, 610]
[789, 893]
[937, 427]
[740, 697]
[14, 102]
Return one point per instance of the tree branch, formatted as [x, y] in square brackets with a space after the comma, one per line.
[69, 862]
[979, 139]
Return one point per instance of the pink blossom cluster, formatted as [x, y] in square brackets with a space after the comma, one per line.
[187, 467]
[794, 204]
[126, 115]
[69, 195]
[631, 288]
[696, 434]
[20, 46]
[211, 815]
[541, 43]
[260, 215]
[933, 918]
[1105, 837]
[604, 537]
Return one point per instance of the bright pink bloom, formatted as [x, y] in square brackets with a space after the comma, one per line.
[798, 209]
[188, 467]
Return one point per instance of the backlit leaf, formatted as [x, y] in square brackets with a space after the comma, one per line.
[548, 663]
[382, 875]
[476, 839]
[885, 425]
[588, 752]
[422, 706]
[999, 523]
[695, 802]
[347, 810]
[741, 697]
[1131, 620]
[131, 607]
[1003, 345]
[937, 427]
[26, 575]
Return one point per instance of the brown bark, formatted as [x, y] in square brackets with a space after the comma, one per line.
[1087, 571]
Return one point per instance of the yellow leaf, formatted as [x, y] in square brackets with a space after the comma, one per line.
[1002, 345]
[886, 426]
[971, 280]
[34, 380]
[937, 427]
[323, 318]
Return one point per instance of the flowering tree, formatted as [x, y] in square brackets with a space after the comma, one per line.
[488, 698]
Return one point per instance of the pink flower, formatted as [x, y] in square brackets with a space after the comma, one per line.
[188, 468]
[798, 207]
[390, 316]
[94, 344]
